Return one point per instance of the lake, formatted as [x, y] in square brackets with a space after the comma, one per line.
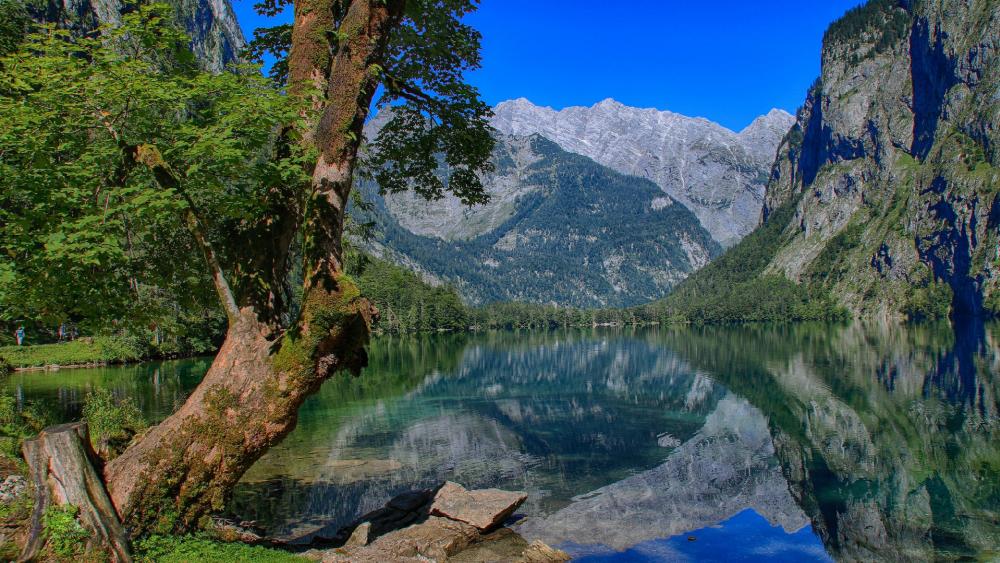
[778, 443]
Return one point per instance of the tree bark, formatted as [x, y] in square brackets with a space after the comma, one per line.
[176, 474]
[62, 466]
[354, 78]
[183, 469]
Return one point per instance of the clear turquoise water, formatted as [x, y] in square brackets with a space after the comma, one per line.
[777, 443]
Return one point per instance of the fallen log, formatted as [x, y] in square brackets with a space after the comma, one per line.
[62, 462]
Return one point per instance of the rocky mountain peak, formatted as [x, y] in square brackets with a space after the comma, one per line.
[716, 173]
[764, 134]
[776, 120]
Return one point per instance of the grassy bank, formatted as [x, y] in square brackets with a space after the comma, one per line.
[84, 351]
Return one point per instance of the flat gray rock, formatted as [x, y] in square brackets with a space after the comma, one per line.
[484, 508]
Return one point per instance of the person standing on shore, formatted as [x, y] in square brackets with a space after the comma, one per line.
[19, 335]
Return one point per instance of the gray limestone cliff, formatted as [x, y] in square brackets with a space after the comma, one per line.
[892, 166]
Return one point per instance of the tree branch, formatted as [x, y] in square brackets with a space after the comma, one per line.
[407, 91]
[152, 159]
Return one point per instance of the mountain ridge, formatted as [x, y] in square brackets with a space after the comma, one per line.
[717, 173]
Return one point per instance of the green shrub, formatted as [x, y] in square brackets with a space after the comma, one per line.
[170, 549]
[63, 531]
[12, 431]
[17, 511]
[112, 422]
[120, 349]
[929, 302]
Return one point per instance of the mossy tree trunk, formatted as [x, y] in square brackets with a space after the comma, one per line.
[183, 469]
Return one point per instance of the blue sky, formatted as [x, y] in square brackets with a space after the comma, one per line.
[726, 60]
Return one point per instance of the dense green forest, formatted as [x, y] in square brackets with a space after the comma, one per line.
[408, 304]
[883, 22]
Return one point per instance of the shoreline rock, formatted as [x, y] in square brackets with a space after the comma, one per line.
[484, 508]
[447, 524]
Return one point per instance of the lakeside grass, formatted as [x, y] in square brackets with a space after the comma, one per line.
[83, 351]
[183, 549]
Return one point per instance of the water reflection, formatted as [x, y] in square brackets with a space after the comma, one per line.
[158, 388]
[868, 441]
[887, 435]
[725, 468]
[556, 415]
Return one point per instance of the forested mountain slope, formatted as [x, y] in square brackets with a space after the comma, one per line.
[884, 196]
[559, 228]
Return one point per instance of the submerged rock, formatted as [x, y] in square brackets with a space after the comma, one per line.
[484, 509]
[436, 538]
[507, 545]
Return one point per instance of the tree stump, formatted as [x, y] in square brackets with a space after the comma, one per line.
[62, 461]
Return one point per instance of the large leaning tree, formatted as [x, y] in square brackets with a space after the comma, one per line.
[125, 172]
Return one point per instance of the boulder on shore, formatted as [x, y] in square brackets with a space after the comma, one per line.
[484, 508]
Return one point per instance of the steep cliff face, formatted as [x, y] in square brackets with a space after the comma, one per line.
[716, 173]
[216, 38]
[891, 167]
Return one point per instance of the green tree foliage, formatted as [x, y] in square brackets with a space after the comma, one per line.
[531, 316]
[86, 234]
[435, 115]
[405, 302]
[14, 22]
[408, 304]
[829, 266]
[882, 22]
[928, 302]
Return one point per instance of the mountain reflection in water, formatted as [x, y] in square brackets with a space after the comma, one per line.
[857, 442]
